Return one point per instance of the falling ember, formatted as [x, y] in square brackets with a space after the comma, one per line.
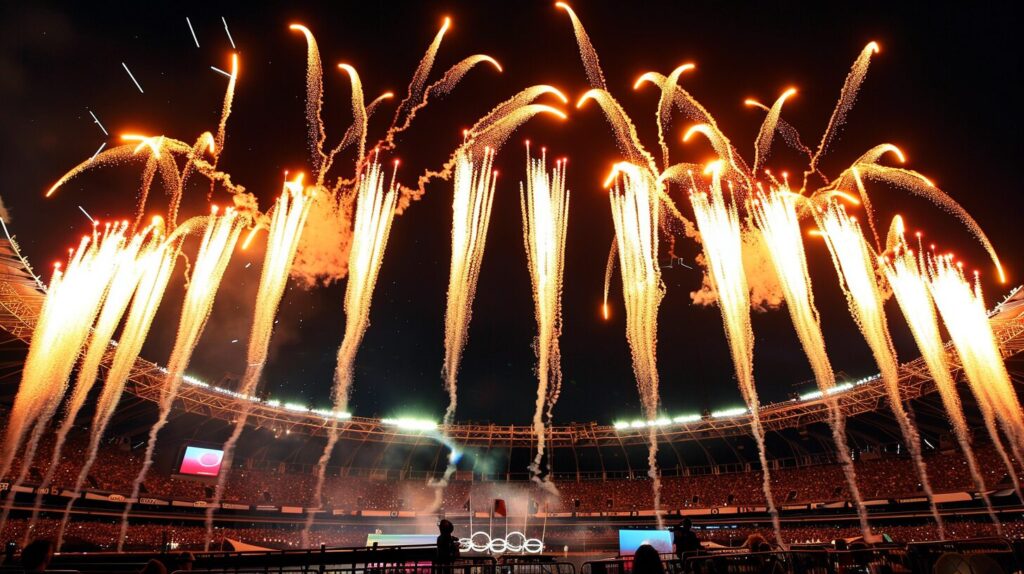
[158, 267]
[719, 226]
[286, 225]
[854, 264]
[906, 273]
[215, 251]
[545, 206]
[471, 214]
[634, 206]
[776, 218]
[374, 212]
[963, 311]
[72, 303]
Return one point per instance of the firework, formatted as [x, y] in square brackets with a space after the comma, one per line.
[285, 228]
[545, 205]
[471, 214]
[907, 275]
[854, 264]
[158, 265]
[719, 226]
[776, 218]
[635, 213]
[375, 209]
[963, 311]
[72, 303]
[215, 251]
[131, 261]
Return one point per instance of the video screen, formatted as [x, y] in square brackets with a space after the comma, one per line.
[630, 540]
[199, 461]
[400, 539]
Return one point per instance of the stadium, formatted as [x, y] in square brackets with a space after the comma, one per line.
[114, 462]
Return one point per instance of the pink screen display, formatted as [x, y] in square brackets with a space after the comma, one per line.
[200, 461]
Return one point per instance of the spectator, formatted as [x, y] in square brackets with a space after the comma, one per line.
[185, 561]
[447, 545]
[154, 566]
[37, 555]
[684, 539]
[647, 561]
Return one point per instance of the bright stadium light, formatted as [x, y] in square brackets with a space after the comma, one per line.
[726, 413]
[686, 418]
[412, 424]
[619, 425]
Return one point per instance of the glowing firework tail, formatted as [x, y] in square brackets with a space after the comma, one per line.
[635, 211]
[545, 205]
[855, 265]
[471, 214]
[215, 251]
[73, 301]
[719, 226]
[963, 312]
[776, 218]
[129, 268]
[158, 264]
[906, 273]
[286, 226]
[375, 210]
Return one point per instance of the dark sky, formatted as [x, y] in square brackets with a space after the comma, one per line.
[941, 89]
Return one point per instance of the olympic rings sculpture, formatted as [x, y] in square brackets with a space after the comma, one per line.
[514, 541]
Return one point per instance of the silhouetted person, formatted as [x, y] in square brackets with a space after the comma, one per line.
[154, 566]
[37, 555]
[447, 545]
[647, 561]
[185, 561]
[685, 539]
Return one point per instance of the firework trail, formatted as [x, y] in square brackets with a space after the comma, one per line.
[72, 303]
[606, 311]
[286, 226]
[775, 215]
[719, 226]
[375, 210]
[158, 265]
[128, 272]
[634, 205]
[963, 312]
[545, 206]
[215, 251]
[854, 264]
[907, 274]
[471, 214]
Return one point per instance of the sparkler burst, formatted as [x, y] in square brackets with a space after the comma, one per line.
[545, 205]
[963, 312]
[215, 251]
[854, 264]
[775, 215]
[375, 209]
[472, 199]
[719, 226]
[635, 213]
[907, 274]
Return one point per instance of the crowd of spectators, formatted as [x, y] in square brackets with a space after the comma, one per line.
[99, 535]
[879, 476]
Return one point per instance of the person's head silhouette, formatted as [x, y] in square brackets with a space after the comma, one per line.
[446, 527]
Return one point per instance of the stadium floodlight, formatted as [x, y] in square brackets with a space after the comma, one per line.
[620, 425]
[686, 418]
[296, 407]
[412, 424]
[637, 424]
[726, 413]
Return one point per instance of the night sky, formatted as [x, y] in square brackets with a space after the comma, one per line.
[940, 89]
